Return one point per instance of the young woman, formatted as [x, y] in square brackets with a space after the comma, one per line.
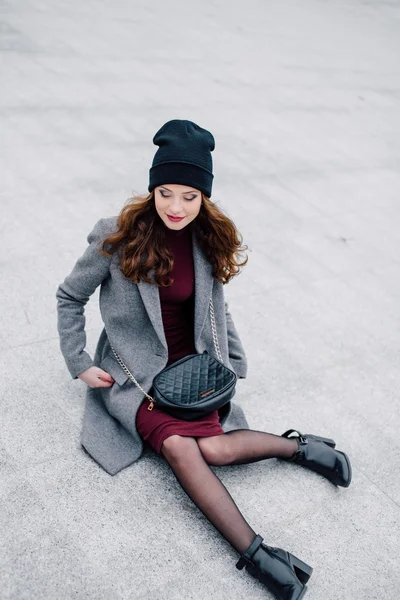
[158, 264]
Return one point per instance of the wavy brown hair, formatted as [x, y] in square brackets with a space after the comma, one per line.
[140, 241]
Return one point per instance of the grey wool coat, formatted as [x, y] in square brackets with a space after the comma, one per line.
[133, 325]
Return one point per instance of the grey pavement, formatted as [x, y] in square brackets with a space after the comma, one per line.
[304, 101]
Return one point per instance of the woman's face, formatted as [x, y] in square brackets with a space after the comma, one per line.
[175, 200]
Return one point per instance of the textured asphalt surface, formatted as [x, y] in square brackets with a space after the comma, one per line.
[303, 99]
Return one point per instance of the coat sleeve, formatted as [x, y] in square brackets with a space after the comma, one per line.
[73, 294]
[237, 354]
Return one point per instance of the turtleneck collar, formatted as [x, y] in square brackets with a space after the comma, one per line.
[177, 233]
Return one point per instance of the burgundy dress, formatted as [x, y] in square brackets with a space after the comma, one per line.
[177, 308]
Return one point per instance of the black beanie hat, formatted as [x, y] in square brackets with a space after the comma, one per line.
[184, 156]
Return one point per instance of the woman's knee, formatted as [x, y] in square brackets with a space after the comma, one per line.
[176, 447]
[215, 450]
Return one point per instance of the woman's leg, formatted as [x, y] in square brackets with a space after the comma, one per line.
[206, 490]
[245, 446]
[274, 567]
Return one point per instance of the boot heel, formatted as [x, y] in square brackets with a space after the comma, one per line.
[302, 569]
[326, 441]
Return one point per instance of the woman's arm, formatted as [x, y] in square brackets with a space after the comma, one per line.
[237, 354]
[72, 295]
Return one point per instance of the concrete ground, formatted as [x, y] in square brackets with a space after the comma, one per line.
[303, 99]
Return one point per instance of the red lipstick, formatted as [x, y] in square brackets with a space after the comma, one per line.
[175, 219]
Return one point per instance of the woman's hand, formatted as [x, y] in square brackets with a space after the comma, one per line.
[95, 377]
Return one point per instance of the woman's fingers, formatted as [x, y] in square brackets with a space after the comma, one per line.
[106, 376]
[102, 383]
[105, 379]
[95, 377]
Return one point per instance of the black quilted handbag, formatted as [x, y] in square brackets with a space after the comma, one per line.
[193, 386]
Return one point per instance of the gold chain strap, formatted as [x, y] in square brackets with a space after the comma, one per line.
[127, 371]
[214, 331]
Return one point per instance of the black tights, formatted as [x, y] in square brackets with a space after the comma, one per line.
[189, 458]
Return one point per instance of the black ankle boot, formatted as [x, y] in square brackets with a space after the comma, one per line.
[281, 572]
[318, 454]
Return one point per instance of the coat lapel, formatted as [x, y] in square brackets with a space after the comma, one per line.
[203, 288]
[151, 300]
